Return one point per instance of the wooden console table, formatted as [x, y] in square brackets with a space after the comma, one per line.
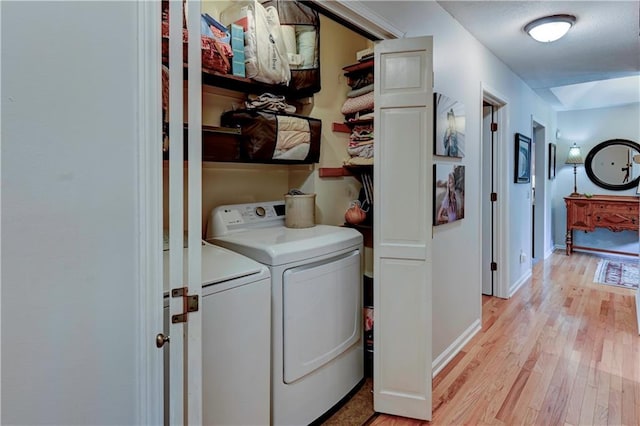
[614, 212]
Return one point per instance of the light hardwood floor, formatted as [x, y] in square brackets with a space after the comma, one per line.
[562, 351]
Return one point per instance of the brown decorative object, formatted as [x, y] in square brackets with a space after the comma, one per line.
[354, 214]
[613, 212]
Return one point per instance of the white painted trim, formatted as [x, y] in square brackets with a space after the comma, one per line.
[445, 357]
[541, 148]
[194, 220]
[178, 397]
[502, 188]
[0, 234]
[638, 308]
[149, 361]
[516, 286]
[356, 13]
[481, 218]
[549, 252]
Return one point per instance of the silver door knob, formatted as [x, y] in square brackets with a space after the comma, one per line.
[161, 339]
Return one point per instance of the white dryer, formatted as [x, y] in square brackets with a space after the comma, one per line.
[236, 309]
[316, 305]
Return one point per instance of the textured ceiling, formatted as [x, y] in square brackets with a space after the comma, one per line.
[604, 44]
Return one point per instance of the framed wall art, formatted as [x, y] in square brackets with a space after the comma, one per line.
[449, 126]
[522, 164]
[552, 161]
[448, 193]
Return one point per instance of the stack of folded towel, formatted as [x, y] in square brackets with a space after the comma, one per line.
[358, 108]
[361, 143]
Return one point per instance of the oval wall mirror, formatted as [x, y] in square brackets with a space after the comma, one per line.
[610, 164]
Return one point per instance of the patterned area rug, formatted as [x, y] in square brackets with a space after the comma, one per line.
[621, 274]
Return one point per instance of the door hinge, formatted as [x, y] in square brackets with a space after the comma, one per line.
[494, 266]
[494, 127]
[190, 303]
[493, 197]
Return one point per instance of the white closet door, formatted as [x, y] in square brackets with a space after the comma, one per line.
[402, 227]
[185, 345]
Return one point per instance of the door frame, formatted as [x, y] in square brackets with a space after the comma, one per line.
[487, 224]
[361, 17]
[501, 155]
[540, 217]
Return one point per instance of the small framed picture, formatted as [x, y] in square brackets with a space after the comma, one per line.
[449, 128]
[448, 193]
[522, 169]
[552, 161]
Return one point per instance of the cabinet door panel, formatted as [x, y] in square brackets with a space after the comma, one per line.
[403, 188]
[581, 215]
[402, 227]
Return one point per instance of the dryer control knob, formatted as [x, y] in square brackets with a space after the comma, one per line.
[260, 211]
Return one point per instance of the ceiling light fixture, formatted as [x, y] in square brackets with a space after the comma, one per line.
[550, 28]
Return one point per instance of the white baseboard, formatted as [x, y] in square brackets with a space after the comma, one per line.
[445, 357]
[549, 252]
[519, 283]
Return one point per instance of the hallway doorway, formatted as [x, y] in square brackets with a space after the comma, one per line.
[538, 190]
[494, 195]
[488, 206]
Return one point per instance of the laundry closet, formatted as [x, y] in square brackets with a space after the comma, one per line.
[239, 175]
[341, 182]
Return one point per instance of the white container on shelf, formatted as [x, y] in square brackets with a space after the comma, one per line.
[300, 211]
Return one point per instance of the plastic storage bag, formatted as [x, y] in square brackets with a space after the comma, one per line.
[265, 53]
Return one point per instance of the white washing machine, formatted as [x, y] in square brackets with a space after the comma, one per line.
[316, 296]
[236, 309]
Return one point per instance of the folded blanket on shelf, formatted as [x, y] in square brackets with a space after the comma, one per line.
[358, 161]
[215, 54]
[361, 115]
[360, 140]
[362, 151]
[359, 103]
[362, 91]
[291, 133]
[361, 133]
[360, 81]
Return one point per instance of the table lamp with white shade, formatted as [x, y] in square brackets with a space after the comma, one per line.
[574, 158]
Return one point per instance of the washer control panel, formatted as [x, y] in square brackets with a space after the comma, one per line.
[234, 217]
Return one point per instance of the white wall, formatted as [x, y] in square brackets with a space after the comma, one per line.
[587, 128]
[461, 66]
[69, 212]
